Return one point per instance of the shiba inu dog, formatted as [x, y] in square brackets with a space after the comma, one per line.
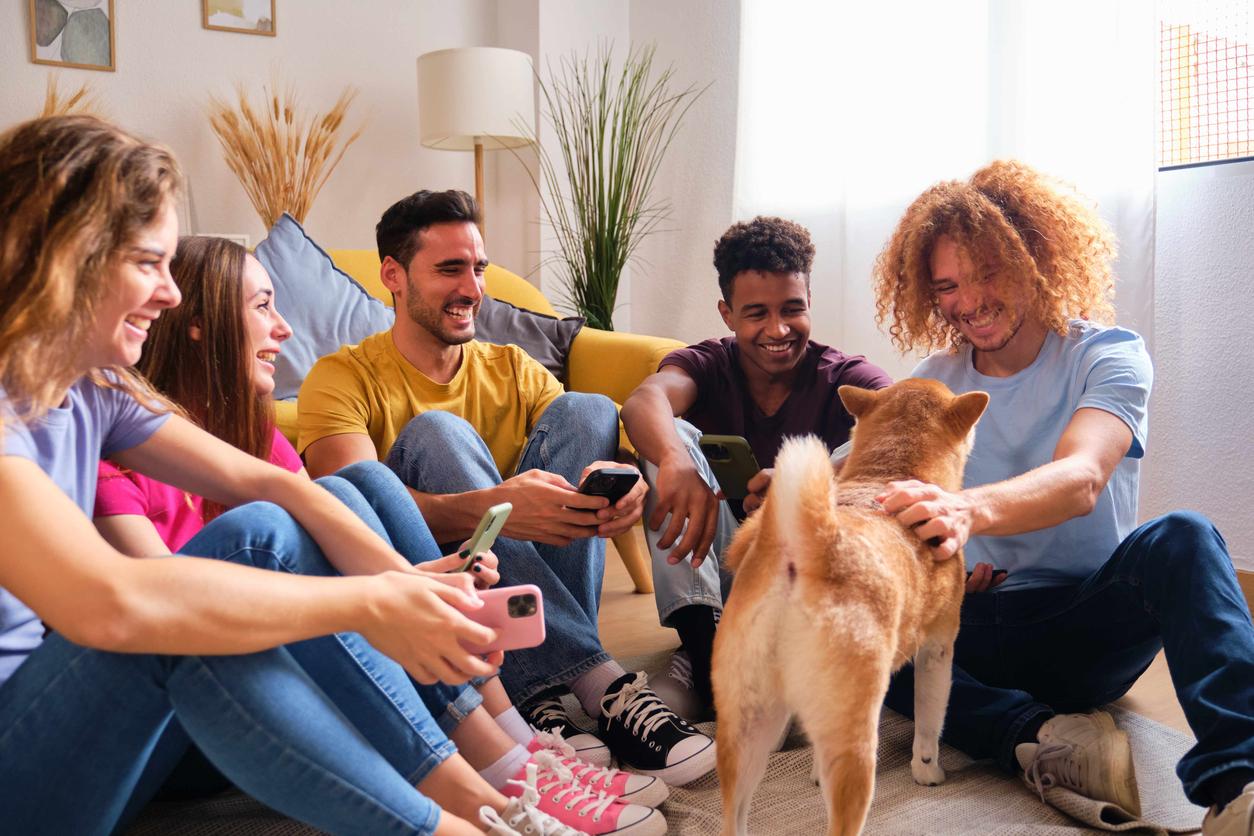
[832, 596]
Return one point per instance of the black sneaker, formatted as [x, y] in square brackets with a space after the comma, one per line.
[547, 713]
[649, 738]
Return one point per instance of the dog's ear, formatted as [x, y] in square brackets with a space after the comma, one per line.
[967, 409]
[857, 401]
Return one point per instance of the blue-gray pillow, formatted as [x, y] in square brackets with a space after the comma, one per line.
[324, 305]
[546, 338]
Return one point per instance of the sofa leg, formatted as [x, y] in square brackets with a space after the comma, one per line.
[631, 549]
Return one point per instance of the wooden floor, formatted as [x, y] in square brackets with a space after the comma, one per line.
[629, 628]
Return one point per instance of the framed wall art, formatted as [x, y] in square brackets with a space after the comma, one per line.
[72, 33]
[252, 17]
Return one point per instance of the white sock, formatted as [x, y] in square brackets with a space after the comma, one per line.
[513, 724]
[591, 686]
[506, 767]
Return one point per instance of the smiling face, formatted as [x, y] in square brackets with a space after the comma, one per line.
[140, 288]
[443, 287]
[264, 328]
[987, 306]
[770, 315]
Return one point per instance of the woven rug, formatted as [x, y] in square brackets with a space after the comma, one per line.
[976, 797]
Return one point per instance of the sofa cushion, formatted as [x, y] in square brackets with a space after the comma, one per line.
[546, 338]
[324, 306]
[327, 308]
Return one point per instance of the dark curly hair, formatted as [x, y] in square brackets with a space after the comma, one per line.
[772, 245]
[1036, 228]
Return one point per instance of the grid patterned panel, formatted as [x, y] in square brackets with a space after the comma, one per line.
[1205, 74]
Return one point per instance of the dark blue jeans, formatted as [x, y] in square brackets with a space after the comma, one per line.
[1025, 654]
[438, 452]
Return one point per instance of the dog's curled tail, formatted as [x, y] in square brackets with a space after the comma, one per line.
[802, 495]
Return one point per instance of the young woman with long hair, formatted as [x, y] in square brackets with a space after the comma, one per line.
[87, 231]
[213, 356]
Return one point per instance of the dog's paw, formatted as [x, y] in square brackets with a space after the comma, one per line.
[926, 774]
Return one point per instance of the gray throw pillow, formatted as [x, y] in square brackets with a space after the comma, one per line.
[546, 338]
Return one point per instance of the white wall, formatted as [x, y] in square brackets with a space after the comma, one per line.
[168, 65]
[674, 289]
[1202, 411]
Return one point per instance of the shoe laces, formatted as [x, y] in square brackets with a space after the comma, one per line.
[639, 709]
[549, 711]
[584, 772]
[547, 775]
[527, 821]
[681, 669]
[1052, 765]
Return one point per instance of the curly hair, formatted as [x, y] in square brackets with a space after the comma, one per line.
[772, 245]
[1010, 216]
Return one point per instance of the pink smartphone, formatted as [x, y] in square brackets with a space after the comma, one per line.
[517, 612]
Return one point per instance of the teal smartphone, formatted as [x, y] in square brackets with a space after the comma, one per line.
[485, 534]
[731, 458]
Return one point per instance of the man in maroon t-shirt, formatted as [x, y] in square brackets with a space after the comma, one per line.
[767, 381]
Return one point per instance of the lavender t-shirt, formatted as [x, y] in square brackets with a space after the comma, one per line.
[67, 443]
[724, 405]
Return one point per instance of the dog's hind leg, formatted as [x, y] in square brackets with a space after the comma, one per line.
[845, 734]
[933, 675]
[751, 713]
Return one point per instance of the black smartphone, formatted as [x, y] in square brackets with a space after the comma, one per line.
[613, 483]
[731, 458]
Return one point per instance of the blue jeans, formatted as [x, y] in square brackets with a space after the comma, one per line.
[380, 699]
[78, 727]
[438, 452]
[678, 586]
[1025, 654]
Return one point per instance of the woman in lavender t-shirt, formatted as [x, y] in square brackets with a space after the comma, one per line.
[87, 231]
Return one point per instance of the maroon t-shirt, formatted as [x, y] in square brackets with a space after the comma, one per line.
[724, 406]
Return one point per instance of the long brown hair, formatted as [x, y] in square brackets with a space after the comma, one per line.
[209, 376]
[74, 191]
[1040, 231]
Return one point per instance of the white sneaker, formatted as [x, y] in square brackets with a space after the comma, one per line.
[1237, 819]
[1085, 753]
[521, 817]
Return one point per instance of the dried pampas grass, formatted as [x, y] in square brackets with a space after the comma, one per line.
[83, 101]
[281, 157]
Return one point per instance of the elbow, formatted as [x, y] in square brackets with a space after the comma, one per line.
[110, 622]
[1090, 490]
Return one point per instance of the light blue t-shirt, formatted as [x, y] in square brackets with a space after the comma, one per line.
[67, 444]
[1094, 366]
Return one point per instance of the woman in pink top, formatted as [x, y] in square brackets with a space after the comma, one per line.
[214, 357]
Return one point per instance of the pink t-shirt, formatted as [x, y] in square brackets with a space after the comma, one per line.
[178, 516]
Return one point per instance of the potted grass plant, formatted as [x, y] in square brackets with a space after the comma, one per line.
[281, 155]
[612, 126]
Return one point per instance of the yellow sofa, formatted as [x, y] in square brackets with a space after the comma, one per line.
[610, 363]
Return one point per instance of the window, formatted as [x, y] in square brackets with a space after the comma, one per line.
[1204, 83]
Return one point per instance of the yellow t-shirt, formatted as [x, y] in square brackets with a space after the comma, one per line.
[370, 388]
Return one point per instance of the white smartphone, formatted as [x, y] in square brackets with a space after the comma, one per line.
[485, 534]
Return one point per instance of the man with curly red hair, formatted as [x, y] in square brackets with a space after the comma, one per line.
[1009, 275]
[766, 381]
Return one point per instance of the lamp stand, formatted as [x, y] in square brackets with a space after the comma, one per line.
[483, 211]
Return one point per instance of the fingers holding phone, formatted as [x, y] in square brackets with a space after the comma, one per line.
[757, 488]
[548, 509]
[623, 489]
[515, 614]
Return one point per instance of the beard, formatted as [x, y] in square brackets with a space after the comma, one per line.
[432, 321]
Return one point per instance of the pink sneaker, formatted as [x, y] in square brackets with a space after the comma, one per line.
[629, 787]
[582, 808]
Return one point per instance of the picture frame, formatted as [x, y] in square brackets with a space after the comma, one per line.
[72, 33]
[249, 17]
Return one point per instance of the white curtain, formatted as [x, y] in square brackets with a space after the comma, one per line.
[848, 111]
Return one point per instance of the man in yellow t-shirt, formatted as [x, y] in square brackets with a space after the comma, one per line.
[467, 425]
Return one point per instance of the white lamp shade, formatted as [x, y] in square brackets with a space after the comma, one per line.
[476, 92]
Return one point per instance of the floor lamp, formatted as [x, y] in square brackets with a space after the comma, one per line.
[476, 98]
